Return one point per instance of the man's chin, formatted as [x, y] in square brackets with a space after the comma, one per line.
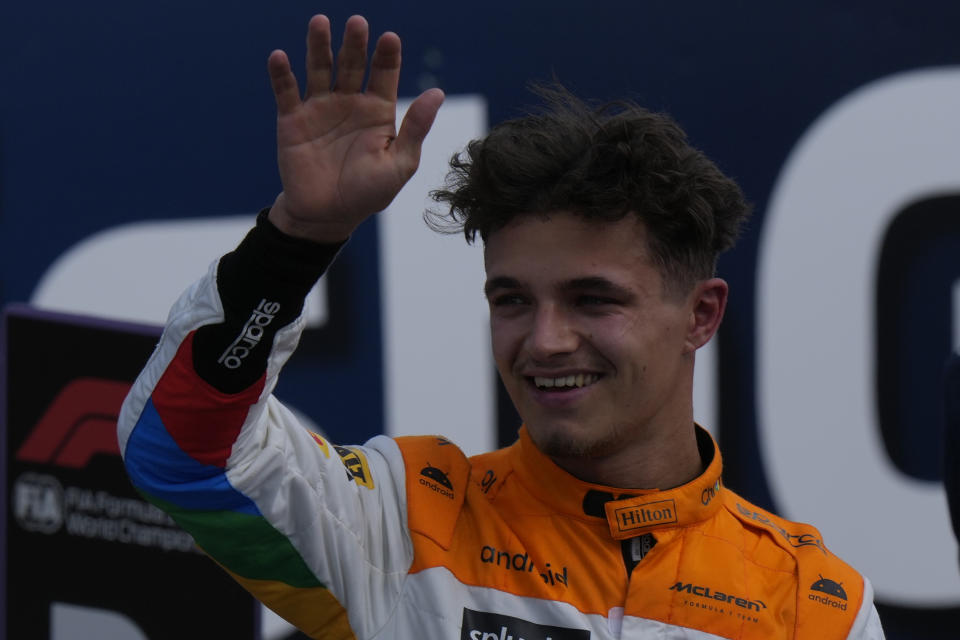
[566, 443]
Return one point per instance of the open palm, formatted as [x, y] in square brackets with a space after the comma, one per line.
[340, 156]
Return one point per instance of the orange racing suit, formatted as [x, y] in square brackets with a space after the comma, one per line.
[408, 539]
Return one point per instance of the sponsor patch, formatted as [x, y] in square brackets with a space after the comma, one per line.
[480, 625]
[632, 516]
[795, 540]
[250, 335]
[709, 493]
[436, 480]
[356, 464]
[436, 475]
[719, 602]
[833, 593]
[830, 587]
[523, 563]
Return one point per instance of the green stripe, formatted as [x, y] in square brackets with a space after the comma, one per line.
[246, 544]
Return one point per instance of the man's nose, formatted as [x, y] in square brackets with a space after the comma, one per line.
[552, 333]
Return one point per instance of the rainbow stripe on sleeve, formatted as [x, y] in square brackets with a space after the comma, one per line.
[176, 458]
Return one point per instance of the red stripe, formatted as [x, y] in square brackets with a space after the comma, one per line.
[203, 421]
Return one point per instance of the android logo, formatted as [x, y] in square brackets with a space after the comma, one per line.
[436, 475]
[829, 587]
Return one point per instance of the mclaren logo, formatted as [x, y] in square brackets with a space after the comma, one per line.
[707, 593]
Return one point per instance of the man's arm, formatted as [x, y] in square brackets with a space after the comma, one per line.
[302, 524]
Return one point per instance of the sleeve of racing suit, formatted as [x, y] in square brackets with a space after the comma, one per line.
[866, 626]
[316, 532]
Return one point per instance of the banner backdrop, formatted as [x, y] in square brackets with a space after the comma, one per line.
[137, 144]
[85, 555]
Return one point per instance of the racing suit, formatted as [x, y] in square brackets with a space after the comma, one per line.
[409, 539]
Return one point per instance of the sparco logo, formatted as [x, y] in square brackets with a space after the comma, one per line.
[479, 625]
[708, 593]
[38, 503]
[250, 335]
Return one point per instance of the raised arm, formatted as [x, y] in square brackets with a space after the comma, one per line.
[340, 155]
[300, 523]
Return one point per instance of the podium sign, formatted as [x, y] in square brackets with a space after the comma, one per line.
[86, 556]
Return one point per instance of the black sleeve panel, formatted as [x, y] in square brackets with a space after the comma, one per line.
[262, 285]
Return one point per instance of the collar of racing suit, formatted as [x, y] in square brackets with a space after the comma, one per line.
[629, 512]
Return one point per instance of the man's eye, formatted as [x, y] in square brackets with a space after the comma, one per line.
[508, 300]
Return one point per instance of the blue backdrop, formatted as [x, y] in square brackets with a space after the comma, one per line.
[114, 112]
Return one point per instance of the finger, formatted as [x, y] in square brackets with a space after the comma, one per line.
[352, 58]
[385, 67]
[414, 128]
[319, 56]
[284, 83]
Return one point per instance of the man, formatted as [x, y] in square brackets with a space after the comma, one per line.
[607, 518]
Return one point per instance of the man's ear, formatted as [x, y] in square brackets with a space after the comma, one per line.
[708, 301]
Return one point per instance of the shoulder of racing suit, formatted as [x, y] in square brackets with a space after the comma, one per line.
[437, 474]
[830, 593]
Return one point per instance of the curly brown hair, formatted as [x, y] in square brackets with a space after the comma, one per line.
[599, 162]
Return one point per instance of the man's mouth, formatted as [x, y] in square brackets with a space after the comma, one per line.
[562, 383]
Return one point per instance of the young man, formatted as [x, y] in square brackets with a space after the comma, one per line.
[607, 518]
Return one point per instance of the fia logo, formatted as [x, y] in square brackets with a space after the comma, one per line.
[38, 503]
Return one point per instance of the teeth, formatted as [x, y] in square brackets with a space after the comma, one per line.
[579, 380]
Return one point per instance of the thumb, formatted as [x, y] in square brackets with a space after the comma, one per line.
[414, 128]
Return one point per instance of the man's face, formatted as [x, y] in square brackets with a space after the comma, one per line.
[590, 349]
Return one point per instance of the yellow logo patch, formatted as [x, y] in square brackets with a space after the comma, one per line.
[356, 463]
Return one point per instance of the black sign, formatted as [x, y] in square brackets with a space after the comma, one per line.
[480, 625]
[86, 556]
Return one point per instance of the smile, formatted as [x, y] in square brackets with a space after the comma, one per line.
[566, 382]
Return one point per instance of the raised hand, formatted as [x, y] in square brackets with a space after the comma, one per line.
[340, 156]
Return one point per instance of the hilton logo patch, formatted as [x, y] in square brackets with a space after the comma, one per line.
[629, 517]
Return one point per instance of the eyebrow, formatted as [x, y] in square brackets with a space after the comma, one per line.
[591, 283]
[500, 282]
[598, 284]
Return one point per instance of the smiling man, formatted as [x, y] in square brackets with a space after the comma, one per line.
[596, 355]
[608, 517]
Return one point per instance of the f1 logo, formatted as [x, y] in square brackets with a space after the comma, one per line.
[80, 423]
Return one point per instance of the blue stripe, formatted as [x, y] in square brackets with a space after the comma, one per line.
[160, 468]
